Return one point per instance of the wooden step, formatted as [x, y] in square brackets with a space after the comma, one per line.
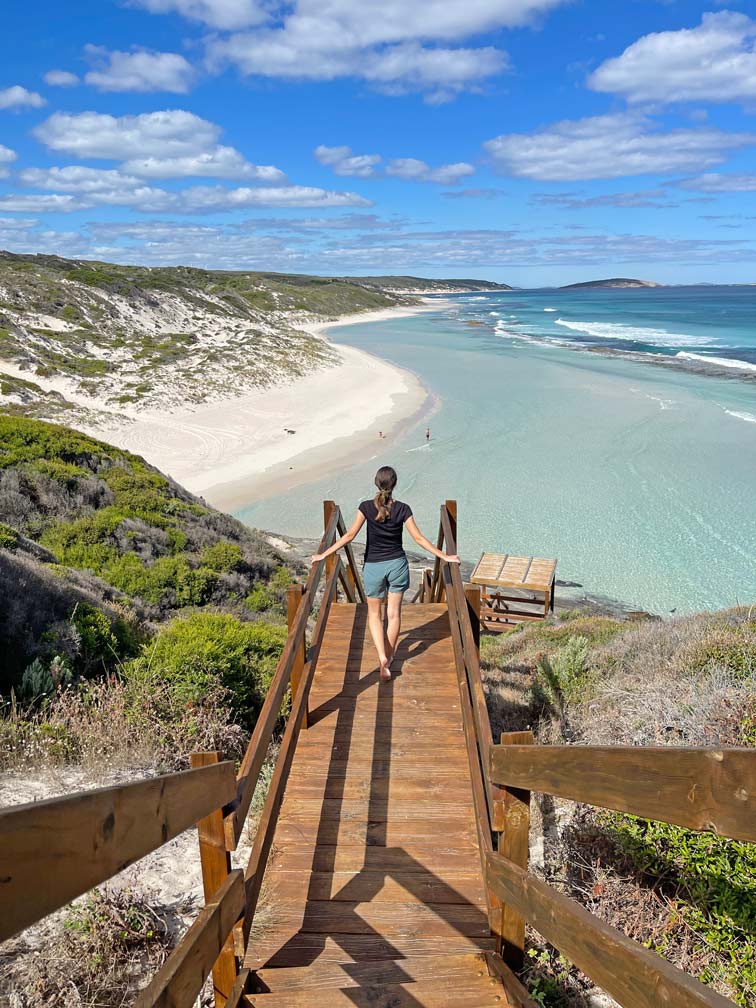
[461, 992]
[370, 974]
[285, 949]
[359, 887]
[296, 829]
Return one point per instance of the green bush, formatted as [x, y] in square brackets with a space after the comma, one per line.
[198, 651]
[223, 557]
[271, 594]
[566, 674]
[169, 581]
[8, 537]
[99, 647]
[712, 882]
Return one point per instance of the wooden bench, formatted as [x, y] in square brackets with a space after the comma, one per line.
[530, 585]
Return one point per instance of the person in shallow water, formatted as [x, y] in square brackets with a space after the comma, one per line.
[386, 571]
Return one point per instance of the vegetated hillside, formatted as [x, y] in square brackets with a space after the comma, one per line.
[106, 564]
[689, 681]
[612, 282]
[410, 284]
[99, 343]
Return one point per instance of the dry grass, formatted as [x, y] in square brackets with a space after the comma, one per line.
[117, 724]
[108, 946]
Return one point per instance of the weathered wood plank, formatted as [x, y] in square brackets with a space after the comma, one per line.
[367, 974]
[704, 789]
[627, 971]
[416, 886]
[472, 993]
[295, 949]
[52, 851]
[514, 844]
[180, 979]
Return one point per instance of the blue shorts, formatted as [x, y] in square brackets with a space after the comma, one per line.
[386, 575]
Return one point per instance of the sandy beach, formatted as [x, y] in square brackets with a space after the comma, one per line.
[236, 451]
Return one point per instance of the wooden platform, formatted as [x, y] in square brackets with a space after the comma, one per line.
[528, 580]
[375, 878]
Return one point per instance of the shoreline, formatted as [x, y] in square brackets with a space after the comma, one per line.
[237, 451]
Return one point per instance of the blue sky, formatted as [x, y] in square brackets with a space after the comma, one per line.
[535, 142]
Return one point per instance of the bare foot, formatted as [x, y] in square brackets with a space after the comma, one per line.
[385, 670]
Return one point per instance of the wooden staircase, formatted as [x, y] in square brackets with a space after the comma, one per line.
[389, 863]
[374, 888]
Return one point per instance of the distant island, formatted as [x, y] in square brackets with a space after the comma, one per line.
[612, 282]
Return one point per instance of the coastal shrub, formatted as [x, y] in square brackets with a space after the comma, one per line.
[266, 596]
[194, 652]
[726, 646]
[565, 675]
[223, 557]
[170, 582]
[711, 883]
[8, 537]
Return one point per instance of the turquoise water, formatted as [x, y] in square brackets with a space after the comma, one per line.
[640, 479]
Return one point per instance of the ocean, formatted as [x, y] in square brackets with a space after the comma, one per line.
[582, 425]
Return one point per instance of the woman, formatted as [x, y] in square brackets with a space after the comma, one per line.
[386, 569]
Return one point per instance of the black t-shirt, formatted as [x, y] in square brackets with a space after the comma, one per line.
[384, 539]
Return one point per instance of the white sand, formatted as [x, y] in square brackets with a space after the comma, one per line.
[238, 450]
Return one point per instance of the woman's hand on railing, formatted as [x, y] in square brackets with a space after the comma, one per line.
[451, 558]
[316, 558]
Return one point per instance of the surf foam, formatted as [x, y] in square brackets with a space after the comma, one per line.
[728, 362]
[635, 334]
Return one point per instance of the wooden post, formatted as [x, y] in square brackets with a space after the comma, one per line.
[329, 507]
[451, 507]
[514, 844]
[216, 867]
[472, 594]
[294, 595]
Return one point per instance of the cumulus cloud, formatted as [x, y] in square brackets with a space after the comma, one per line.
[172, 133]
[713, 182]
[419, 171]
[610, 146]
[716, 62]
[393, 45]
[7, 156]
[76, 187]
[222, 14]
[208, 199]
[61, 78]
[139, 70]
[221, 162]
[487, 194]
[343, 162]
[18, 97]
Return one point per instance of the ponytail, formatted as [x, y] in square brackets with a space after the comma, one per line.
[385, 480]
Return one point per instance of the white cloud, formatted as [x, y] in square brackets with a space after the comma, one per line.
[221, 162]
[396, 46]
[208, 199]
[18, 97]
[7, 156]
[712, 182]
[39, 203]
[610, 146]
[168, 134]
[716, 62]
[343, 162]
[226, 15]
[17, 223]
[140, 70]
[419, 171]
[61, 78]
[155, 145]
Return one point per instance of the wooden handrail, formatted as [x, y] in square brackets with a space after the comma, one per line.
[178, 982]
[53, 851]
[254, 757]
[269, 818]
[628, 972]
[458, 612]
[701, 789]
